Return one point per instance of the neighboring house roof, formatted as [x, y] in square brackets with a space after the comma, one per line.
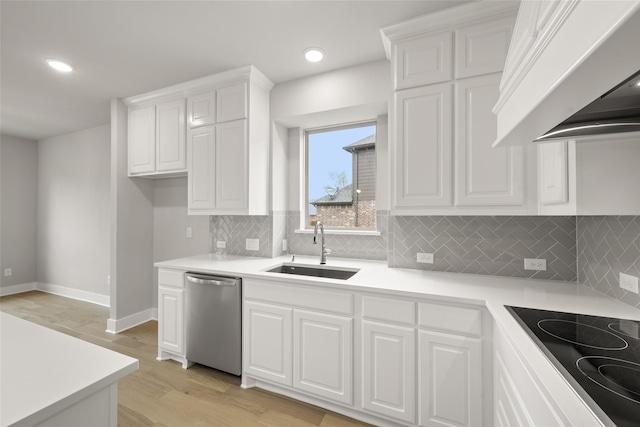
[343, 196]
[363, 144]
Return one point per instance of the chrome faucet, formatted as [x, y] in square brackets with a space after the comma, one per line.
[324, 251]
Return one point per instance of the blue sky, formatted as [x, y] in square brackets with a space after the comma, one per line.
[326, 156]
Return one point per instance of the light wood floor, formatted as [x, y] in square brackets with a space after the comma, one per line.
[163, 394]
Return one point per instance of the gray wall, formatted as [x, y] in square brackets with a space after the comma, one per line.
[18, 204]
[170, 222]
[73, 210]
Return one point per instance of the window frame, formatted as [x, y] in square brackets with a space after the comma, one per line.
[304, 220]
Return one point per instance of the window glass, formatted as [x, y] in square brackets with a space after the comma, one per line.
[341, 176]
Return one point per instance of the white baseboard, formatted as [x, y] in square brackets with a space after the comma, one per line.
[16, 289]
[115, 326]
[91, 297]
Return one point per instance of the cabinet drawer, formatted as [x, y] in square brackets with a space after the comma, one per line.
[388, 309]
[449, 318]
[173, 278]
[299, 296]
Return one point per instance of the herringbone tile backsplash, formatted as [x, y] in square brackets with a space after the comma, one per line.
[608, 246]
[486, 245]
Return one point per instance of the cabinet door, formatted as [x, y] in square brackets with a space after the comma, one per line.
[267, 342]
[142, 140]
[423, 146]
[170, 136]
[553, 172]
[486, 176]
[231, 161]
[201, 176]
[201, 109]
[322, 355]
[388, 370]
[482, 48]
[422, 61]
[450, 380]
[231, 103]
[171, 319]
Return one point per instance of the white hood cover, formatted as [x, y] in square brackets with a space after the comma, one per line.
[563, 55]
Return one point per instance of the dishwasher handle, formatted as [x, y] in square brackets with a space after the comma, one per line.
[211, 280]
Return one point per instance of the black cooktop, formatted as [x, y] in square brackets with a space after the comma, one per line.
[600, 356]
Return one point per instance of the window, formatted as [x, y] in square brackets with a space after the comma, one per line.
[341, 176]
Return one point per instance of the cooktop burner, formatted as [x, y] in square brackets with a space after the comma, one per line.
[600, 356]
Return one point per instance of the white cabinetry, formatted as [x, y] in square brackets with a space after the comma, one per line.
[447, 72]
[299, 338]
[201, 109]
[389, 370]
[267, 341]
[423, 146]
[486, 176]
[232, 103]
[171, 318]
[157, 139]
[322, 355]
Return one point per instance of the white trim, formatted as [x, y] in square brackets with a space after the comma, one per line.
[115, 326]
[17, 289]
[78, 294]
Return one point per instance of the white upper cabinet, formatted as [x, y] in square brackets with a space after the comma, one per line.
[142, 140]
[447, 69]
[224, 152]
[485, 176]
[201, 109]
[482, 48]
[232, 103]
[170, 136]
[423, 146]
[421, 61]
[564, 54]
[156, 139]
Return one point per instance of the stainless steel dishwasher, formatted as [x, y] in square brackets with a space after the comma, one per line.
[214, 322]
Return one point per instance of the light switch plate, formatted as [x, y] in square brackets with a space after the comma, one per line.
[253, 244]
[8, 272]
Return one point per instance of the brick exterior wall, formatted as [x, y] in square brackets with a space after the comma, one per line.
[344, 215]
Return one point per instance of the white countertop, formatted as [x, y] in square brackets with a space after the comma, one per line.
[43, 371]
[493, 292]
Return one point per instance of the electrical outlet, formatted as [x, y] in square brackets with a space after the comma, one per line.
[189, 232]
[627, 282]
[284, 245]
[535, 264]
[425, 258]
[8, 272]
[221, 244]
[108, 280]
[253, 244]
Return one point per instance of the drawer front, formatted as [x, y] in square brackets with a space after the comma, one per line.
[174, 278]
[388, 309]
[299, 296]
[449, 318]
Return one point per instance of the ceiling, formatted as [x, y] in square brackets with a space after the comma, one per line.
[124, 48]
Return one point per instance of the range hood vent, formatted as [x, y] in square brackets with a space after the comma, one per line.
[617, 111]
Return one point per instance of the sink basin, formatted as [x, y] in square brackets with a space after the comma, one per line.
[315, 271]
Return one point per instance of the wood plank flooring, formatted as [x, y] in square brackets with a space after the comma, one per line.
[162, 394]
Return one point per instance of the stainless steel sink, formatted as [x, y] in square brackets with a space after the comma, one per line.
[315, 271]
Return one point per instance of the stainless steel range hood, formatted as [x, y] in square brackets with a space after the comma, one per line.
[616, 111]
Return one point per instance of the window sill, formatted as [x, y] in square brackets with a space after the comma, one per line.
[343, 232]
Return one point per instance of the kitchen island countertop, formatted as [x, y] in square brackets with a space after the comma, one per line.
[45, 372]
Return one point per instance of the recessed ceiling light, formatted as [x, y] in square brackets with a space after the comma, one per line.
[59, 65]
[313, 54]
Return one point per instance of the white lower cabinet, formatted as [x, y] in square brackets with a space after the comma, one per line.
[171, 320]
[322, 355]
[449, 379]
[268, 342]
[389, 370]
